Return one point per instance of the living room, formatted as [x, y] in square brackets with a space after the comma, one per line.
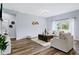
[32, 28]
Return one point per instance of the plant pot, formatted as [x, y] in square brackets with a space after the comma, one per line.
[8, 49]
[1, 52]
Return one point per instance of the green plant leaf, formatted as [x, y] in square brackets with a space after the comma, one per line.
[3, 43]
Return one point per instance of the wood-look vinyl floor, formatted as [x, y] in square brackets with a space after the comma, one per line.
[29, 47]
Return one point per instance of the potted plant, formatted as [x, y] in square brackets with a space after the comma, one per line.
[3, 43]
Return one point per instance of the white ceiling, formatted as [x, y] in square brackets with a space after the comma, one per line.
[42, 9]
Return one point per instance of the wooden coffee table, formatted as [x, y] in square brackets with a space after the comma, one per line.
[45, 38]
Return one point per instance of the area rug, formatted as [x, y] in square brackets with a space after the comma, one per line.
[43, 43]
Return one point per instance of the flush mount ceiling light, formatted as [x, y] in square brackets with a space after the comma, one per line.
[44, 13]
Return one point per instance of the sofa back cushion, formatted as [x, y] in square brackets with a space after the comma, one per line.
[63, 35]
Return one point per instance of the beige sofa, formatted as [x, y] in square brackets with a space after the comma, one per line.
[64, 42]
[76, 46]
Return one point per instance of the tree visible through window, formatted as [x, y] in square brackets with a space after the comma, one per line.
[66, 25]
[63, 26]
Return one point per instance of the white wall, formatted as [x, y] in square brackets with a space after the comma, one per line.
[25, 28]
[7, 21]
[64, 16]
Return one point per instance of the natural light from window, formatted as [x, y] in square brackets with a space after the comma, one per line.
[66, 25]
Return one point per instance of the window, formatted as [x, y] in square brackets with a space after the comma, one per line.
[63, 26]
[66, 25]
